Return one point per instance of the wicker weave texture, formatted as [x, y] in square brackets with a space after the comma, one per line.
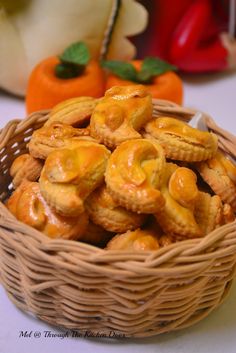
[78, 286]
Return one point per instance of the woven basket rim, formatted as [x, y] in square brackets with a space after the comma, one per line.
[98, 255]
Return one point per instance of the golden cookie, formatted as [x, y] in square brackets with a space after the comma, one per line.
[28, 206]
[220, 174]
[134, 174]
[210, 213]
[137, 240]
[121, 114]
[75, 111]
[104, 211]
[181, 141]
[25, 167]
[12, 202]
[70, 175]
[180, 193]
[57, 135]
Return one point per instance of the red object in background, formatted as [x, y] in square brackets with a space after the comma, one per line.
[187, 33]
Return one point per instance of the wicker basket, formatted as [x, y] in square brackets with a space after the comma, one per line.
[78, 286]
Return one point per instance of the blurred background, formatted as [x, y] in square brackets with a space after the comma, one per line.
[197, 37]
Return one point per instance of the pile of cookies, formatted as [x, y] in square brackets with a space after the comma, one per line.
[107, 173]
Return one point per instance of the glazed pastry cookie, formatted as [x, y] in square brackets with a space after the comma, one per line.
[49, 138]
[25, 167]
[134, 241]
[220, 174]
[104, 211]
[28, 206]
[121, 114]
[134, 175]
[75, 111]
[70, 175]
[210, 213]
[180, 141]
[180, 193]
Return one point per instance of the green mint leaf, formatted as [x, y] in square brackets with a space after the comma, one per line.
[151, 67]
[124, 70]
[76, 53]
[144, 76]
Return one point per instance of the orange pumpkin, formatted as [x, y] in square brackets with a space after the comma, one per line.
[165, 86]
[70, 75]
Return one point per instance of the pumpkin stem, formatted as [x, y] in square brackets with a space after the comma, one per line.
[65, 70]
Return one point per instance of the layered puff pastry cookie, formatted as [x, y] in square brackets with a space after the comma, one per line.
[181, 141]
[121, 114]
[211, 213]
[134, 175]
[138, 240]
[180, 193]
[28, 205]
[25, 167]
[75, 111]
[104, 211]
[57, 135]
[70, 175]
[220, 174]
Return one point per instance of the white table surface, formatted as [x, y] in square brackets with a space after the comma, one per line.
[216, 95]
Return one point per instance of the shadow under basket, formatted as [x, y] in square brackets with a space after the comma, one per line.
[78, 286]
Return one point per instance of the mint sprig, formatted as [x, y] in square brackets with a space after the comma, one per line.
[73, 61]
[151, 67]
[122, 69]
